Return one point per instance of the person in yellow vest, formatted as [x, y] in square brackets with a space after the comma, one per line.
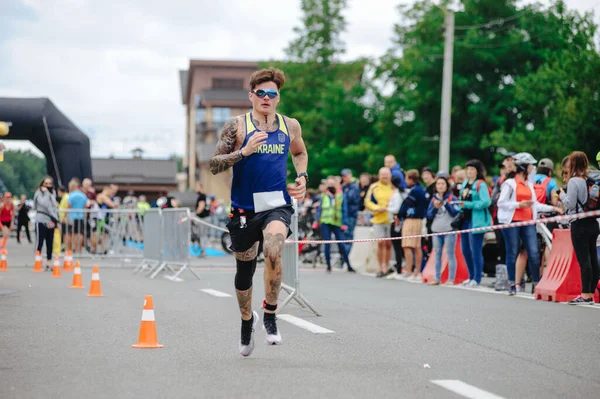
[376, 201]
[142, 204]
[331, 216]
[61, 230]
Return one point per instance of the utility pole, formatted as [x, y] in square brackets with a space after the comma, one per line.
[444, 160]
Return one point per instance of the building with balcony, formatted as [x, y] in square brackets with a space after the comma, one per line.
[213, 92]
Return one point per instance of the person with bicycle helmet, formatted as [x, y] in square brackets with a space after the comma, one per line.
[518, 203]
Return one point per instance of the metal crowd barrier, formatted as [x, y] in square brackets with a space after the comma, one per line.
[167, 235]
[152, 251]
[290, 264]
[102, 233]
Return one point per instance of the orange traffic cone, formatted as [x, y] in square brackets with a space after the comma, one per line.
[56, 268]
[147, 338]
[37, 266]
[77, 283]
[3, 263]
[68, 262]
[95, 286]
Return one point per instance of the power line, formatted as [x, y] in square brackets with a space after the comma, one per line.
[497, 21]
[501, 45]
[488, 31]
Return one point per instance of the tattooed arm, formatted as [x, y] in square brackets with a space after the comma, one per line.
[297, 147]
[299, 158]
[225, 156]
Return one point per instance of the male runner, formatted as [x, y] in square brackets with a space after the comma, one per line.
[256, 146]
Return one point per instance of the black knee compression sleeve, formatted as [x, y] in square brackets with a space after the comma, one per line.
[245, 272]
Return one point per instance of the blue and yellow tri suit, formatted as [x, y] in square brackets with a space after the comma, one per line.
[259, 180]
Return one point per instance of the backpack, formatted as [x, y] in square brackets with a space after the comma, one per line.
[541, 190]
[593, 188]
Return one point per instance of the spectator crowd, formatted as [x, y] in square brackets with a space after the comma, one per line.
[396, 203]
[409, 203]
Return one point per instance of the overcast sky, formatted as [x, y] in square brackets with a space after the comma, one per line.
[112, 66]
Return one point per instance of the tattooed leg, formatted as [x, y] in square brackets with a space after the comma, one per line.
[244, 297]
[274, 239]
[245, 303]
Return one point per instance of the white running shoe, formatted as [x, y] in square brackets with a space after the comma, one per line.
[247, 341]
[273, 337]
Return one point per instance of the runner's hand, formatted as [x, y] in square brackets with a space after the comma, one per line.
[298, 190]
[257, 139]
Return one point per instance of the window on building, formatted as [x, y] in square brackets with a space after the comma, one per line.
[221, 115]
[220, 83]
[200, 115]
[197, 99]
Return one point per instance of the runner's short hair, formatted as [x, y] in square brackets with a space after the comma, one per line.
[271, 74]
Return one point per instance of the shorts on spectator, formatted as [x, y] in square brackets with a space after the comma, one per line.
[383, 230]
[412, 227]
[78, 226]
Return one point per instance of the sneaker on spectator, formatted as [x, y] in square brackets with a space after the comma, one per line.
[465, 283]
[472, 284]
[581, 301]
[512, 290]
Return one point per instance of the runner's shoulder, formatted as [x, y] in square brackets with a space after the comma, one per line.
[292, 124]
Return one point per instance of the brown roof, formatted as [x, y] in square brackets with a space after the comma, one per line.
[185, 88]
[228, 95]
[130, 171]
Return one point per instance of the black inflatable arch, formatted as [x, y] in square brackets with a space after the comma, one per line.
[67, 149]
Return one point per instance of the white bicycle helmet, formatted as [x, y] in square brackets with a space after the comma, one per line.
[524, 158]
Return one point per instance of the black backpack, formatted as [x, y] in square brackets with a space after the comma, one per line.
[593, 191]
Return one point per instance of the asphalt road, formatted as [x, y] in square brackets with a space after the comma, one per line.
[386, 338]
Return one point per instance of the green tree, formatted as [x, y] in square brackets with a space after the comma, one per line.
[557, 105]
[325, 94]
[502, 55]
[319, 38]
[22, 171]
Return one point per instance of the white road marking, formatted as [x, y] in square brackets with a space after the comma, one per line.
[216, 293]
[307, 325]
[465, 390]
